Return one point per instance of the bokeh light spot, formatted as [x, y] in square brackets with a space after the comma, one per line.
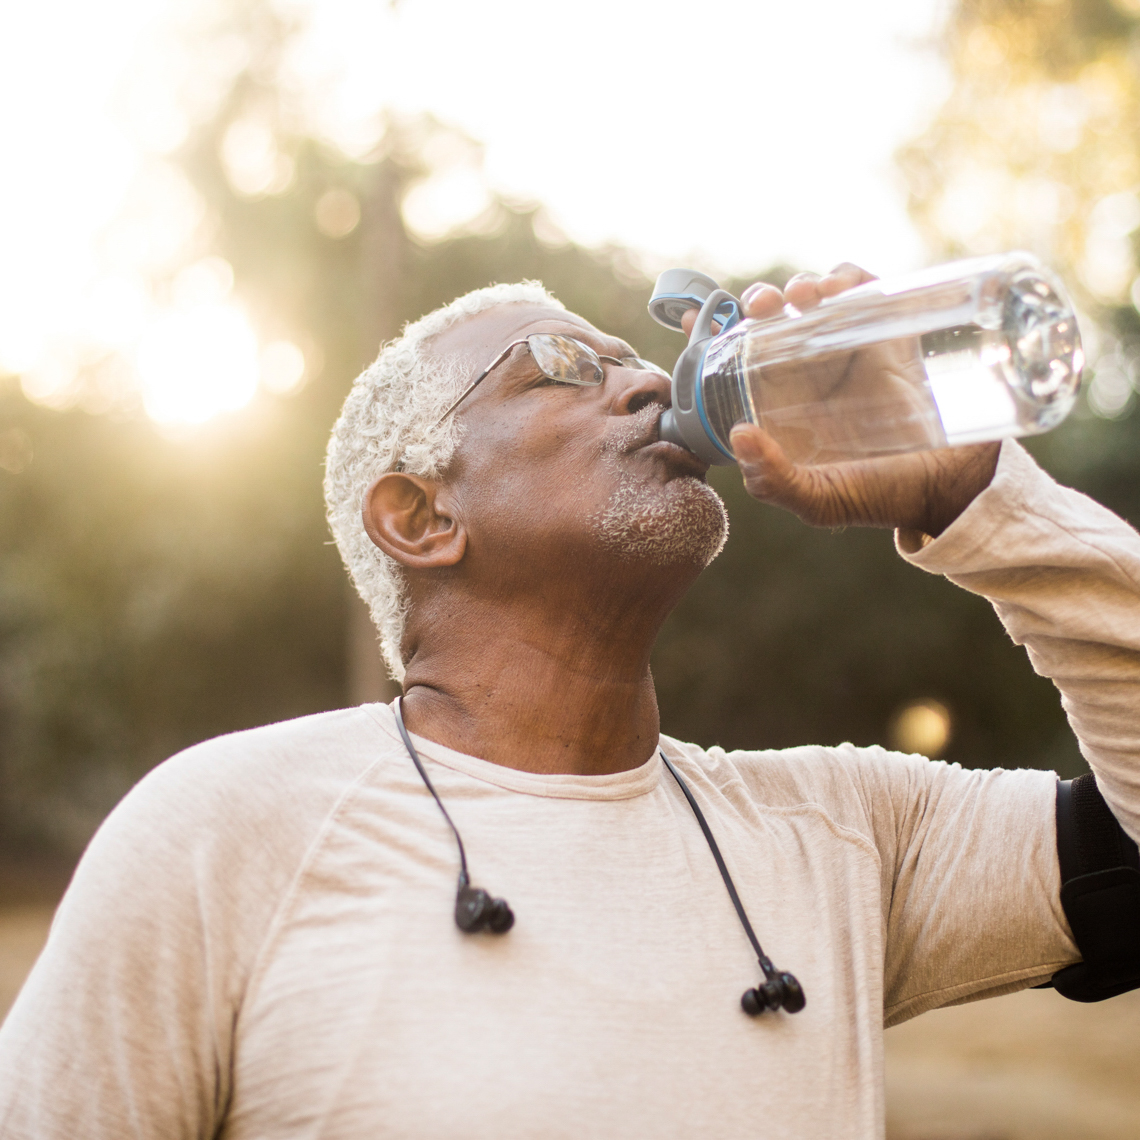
[15, 450]
[1110, 393]
[253, 164]
[282, 368]
[436, 206]
[921, 726]
[337, 213]
[206, 282]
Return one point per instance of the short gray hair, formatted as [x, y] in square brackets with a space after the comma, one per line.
[392, 416]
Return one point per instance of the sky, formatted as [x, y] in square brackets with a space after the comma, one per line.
[758, 132]
[761, 134]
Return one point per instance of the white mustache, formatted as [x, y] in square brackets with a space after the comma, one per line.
[637, 430]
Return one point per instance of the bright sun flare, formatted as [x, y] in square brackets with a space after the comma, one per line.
[95, 116]
[196, 363]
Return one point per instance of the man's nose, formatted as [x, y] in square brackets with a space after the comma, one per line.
[637, 387]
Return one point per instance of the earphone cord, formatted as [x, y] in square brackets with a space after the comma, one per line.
[765, 962]
[463, 879]
[761, 957]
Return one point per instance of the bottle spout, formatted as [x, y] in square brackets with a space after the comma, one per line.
[668, 430]
[671, 427]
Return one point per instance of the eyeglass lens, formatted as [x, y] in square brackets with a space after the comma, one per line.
[563, 358]
[572, 362]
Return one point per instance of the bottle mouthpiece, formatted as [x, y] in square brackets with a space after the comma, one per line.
[668, 430]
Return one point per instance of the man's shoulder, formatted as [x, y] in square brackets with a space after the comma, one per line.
[277, 770]
[257, 789]
[867, 789]
[847, 781]
[231, 817]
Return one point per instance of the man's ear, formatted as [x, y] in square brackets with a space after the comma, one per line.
[407, 517]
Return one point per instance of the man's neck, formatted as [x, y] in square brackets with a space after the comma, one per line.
[541, 685]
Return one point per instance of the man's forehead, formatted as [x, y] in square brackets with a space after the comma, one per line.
[489, 332]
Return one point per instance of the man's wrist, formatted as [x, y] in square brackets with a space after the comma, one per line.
[955, 486]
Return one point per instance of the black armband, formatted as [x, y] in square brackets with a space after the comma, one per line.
[1100, 894]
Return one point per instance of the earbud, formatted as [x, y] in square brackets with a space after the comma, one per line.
[475, 910]
[780, 991]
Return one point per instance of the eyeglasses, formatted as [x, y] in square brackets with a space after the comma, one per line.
[560, 358]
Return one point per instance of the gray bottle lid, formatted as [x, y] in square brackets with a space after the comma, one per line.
[676, 292]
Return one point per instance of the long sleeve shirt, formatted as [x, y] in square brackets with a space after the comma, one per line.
[259, 942]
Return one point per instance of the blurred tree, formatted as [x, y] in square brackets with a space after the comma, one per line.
[1037, 144]
[151, 595]
[1038, 147]
[156, 592]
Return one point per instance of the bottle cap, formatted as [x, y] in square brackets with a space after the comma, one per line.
[676, 292]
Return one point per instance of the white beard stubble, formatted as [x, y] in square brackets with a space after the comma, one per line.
[682, 522]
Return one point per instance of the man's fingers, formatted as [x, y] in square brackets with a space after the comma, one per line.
[769, 475]
[758, 302]
[803, 290]
[820, 496]
[843, 277]
[689, 319]
[806, 290]
[761, 301]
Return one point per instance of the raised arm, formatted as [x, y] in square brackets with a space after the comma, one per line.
[1063, 574]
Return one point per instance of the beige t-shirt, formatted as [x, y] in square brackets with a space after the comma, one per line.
[259, 942]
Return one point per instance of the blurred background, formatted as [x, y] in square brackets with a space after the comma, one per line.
[214, 211]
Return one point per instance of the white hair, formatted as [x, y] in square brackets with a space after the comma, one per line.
[392, 417]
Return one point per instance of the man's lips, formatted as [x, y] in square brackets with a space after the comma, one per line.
[642, 435]
[675, 456]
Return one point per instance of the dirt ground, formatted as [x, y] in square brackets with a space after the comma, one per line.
[1030, 1066]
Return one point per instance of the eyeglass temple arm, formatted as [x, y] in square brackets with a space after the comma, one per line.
[480, 378]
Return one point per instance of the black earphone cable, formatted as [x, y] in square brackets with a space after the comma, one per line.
[764, 960]
[476, 910]
[399, 711]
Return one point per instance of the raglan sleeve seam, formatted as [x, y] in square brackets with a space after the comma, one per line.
[289, 895]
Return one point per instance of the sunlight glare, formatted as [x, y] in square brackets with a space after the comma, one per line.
[435, 206]
[282, 368]
[197, 362]
[98, 215]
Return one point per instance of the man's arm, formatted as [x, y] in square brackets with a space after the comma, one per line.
[125, 1027]
[1062, 571]
[972, 897]
[1063, 574]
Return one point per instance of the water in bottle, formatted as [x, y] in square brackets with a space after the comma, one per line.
[963, 353]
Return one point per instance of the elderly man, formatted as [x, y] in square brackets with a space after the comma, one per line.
[264, 939]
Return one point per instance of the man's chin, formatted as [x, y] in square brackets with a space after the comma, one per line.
[681, 522]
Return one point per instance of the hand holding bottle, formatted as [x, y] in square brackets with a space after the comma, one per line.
[921, 490]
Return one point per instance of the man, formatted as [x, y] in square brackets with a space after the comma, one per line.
[260, 942]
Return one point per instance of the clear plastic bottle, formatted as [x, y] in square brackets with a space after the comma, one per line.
[963, 353]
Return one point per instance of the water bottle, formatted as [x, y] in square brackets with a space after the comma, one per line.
[963, 353]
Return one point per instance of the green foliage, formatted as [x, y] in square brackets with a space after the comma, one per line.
[156, 591]
[152, 594]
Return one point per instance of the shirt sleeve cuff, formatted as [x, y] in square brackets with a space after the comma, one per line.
[1017, 480]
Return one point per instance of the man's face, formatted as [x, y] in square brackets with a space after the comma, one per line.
[548, 471]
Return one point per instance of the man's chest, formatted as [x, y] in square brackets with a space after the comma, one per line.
[611, 1009]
